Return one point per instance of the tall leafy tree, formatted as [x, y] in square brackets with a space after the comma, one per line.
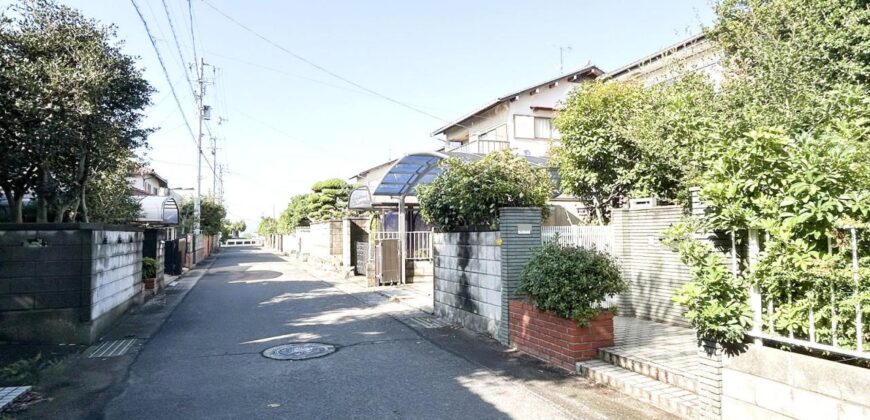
[212, 214]
[268, 226]
[72, 106]
[598, 160]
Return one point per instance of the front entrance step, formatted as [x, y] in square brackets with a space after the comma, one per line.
[670, 374]
[668, 397]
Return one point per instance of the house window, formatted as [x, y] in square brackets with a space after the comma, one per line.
[524, 126]
[543, 129]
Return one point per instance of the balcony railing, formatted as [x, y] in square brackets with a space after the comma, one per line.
[481, 146]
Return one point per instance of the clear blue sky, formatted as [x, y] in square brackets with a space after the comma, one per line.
[288, 128]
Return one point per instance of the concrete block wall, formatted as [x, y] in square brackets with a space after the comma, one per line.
[467, 279]
[116, 269]
[767, 383]
[324, 242]
[65, 283]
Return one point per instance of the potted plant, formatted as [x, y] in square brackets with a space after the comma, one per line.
[561, 319]
[149, 273]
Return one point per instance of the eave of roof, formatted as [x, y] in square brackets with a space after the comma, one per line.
[586, 70]
[655, 56]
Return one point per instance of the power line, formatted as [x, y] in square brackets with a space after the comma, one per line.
[163, 66]
[284, 72]
[177, 45]
[192, 36]
[166, 74]
[321, 68]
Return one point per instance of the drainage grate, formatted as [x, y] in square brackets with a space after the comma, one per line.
[428, 322]
[299, 351]
[112, 348]
[9, 394]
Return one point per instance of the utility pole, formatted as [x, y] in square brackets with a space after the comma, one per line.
[215, 171]
[196, 198]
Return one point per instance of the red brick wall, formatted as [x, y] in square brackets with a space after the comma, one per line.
[557, 340]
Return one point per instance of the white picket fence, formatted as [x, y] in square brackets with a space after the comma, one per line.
[418, 244]
[598, 237]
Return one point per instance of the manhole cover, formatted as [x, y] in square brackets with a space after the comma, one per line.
[299, 351]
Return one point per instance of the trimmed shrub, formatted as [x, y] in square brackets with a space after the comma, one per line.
[149, 268]
[570, 281]
[471, 194]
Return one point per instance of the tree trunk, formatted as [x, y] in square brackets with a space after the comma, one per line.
[41, 200]
[84, 203]
[598, 212]
[61, 210]
[15, 203]
[41, 210]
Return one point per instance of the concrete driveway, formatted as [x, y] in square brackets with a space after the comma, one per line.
[206, 362]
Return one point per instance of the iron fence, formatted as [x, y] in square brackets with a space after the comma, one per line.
[834, 310]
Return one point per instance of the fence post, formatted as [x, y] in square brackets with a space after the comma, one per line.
[711, 355]
[520, 230]
[859, 324]
[755, 290]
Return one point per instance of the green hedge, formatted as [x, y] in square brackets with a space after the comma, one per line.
[471, 194]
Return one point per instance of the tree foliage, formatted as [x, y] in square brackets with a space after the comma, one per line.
[622, 140]
[598, 161]
[296, 214]
[232, 229]
[211, 216]
[471, 194]
[110, 197]
[71, 105]
[268, 226]
[326, 201]
[792, 161]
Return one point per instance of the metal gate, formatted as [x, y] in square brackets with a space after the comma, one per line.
[388, 262]
[361, 258]
[172, 259]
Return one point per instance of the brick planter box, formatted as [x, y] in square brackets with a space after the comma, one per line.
[556, 340]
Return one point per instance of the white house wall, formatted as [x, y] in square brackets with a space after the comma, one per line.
[478, 124]
[546, 98]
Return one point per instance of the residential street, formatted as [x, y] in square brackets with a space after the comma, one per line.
[206, 362]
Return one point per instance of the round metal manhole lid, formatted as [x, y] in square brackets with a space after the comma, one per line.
[299, 351]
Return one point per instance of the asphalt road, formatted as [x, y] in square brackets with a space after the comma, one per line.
[206, 360]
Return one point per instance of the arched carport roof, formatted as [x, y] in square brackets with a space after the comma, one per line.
[158, 210]
[402, 179]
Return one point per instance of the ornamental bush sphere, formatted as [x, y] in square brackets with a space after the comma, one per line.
[570, 281]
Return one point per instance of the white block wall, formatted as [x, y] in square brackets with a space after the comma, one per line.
[116, 269]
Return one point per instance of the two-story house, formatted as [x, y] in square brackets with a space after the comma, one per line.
[146, 181]
[520, 120]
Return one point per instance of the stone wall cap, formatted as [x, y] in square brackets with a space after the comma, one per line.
[69, 226]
